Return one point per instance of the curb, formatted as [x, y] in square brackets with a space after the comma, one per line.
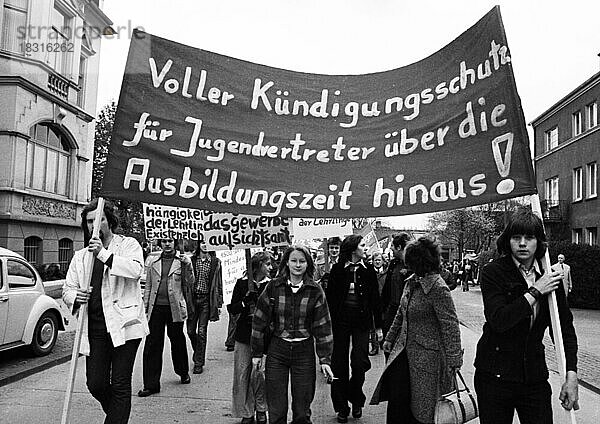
[30, 371]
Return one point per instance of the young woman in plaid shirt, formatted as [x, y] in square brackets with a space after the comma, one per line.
[295, 310]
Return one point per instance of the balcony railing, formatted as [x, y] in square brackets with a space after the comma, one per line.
[555, 210]
[58, 86]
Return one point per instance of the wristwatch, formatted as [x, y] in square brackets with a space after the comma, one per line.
[534, 292]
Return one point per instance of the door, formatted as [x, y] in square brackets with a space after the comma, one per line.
[3, 301]
[23, 293]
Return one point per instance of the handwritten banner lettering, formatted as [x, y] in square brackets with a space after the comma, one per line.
[202, 130]
[220, 231]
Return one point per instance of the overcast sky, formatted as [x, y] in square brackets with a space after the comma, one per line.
[554, 44]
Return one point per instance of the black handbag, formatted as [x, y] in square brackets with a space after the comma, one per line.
[457, 407]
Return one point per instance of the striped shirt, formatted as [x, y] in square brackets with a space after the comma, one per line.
[293, 316]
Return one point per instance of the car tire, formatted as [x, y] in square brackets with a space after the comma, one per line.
[45, 334]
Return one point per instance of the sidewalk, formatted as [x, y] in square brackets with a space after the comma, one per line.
[469, 307]
[39, 397]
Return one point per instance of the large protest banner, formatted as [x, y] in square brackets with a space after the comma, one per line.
[220, 231]
[202, 130]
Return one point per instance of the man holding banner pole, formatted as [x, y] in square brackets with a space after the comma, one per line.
[511, 372]
[115, 321]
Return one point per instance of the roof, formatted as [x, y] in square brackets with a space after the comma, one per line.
[590, 82]
[6, 252]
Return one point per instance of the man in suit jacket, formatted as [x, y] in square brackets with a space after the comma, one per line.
[566, 270]
[511, 371]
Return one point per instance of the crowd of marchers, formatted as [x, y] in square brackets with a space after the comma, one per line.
[291, 318]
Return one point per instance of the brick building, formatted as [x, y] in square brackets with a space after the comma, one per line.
[566, 155]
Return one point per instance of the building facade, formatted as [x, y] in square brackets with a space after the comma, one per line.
[566, 155]
[49, 60]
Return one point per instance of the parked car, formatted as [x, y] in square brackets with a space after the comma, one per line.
[27, 315]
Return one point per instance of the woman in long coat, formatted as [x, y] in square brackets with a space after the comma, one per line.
[424, 341]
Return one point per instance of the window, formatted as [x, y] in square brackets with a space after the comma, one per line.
[14, 21]
[591, 115]
[82, 81]
[551, 138]
[576, 123]
[65, 253]
[591, 180]
[59, 59]
[577, 184]
[552, 191]
[592, 236]
[577, 235]
[19, 274]
[33, 250]
[48, 159]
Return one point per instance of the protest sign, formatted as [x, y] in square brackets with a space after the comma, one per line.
[220, 231]
[233, 264]
[314, 228]
[203, 130]
[370, 238]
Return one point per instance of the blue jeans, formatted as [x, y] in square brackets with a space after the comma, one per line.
[497, 400]
[298, 360]
[197, 326]
[108, 371]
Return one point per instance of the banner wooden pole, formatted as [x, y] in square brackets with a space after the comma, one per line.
[554, 317]
[88, 266]
[249, 268]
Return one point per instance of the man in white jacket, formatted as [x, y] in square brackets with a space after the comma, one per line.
[115, 322]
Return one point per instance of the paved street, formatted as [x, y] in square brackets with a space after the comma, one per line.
[38, 397]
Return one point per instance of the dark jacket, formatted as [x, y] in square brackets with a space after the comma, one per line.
[243, 327]
[366, 288]
[215, 289]
[508, 348]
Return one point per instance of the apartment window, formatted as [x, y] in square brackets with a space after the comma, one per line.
[14, 22]
[552, 191]
[592, 236]
[82, 81]
[591, 180]
[59, 59]
[33, 250]
[577, 235]
[576, 123]
[591, 115]
[577, 184]
[65, 253]
[551, 138]
[48, 159]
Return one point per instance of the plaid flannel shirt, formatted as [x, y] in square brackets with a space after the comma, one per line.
[293, 315]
